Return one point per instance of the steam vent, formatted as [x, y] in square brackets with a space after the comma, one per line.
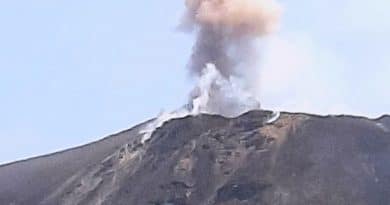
[298, 159]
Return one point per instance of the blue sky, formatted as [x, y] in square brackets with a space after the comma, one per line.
[74, 71]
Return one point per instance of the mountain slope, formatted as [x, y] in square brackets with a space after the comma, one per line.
[29, 181]
[206, 159]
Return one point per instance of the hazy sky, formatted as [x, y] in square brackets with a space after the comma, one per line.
[74, 71]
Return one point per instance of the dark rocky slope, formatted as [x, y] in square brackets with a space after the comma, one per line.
[298, 160]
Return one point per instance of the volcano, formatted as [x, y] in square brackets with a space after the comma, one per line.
[297, 159]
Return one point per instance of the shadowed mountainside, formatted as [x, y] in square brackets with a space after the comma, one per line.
[212, 160]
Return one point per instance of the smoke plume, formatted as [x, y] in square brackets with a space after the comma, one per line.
[223, 56]
[226, 31]
[216, 94]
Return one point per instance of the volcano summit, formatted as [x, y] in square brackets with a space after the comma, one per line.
[209, 159]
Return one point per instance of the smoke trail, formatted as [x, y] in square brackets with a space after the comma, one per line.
[216, 94]
[226, 30]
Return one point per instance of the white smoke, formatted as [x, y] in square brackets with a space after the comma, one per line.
[213, 94]
[159, 121]
[216, 94]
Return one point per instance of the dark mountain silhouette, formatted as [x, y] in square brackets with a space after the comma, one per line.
[299, 159]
